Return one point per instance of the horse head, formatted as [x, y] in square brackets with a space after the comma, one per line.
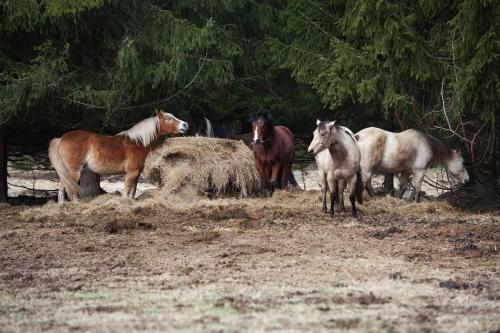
[323, 136]
[455, 165]
[169, 124]
[262, 127]
[198, 123]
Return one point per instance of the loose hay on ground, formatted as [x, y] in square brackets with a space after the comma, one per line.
[296, 207]
[193, 166]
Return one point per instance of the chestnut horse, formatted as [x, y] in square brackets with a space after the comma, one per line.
[125, 153]
[273, 150]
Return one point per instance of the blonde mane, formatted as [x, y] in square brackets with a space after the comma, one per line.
[144, 131]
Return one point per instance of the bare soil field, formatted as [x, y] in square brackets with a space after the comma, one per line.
[233, 265]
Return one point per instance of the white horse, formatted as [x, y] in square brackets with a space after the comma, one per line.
[404, 154]
[338, 158]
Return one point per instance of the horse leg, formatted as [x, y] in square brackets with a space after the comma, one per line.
[322, 179]
[367, 181]
[333, 192]
[369, 188]
[418, 177]
[60, 193]
[403, 182]
[352, 195]
[332, 204]
[274, 174]
[131, 179]
[134, 187]
[262, 174]
[341, 186]
[285, 173]
[75, 175]
[267, 179]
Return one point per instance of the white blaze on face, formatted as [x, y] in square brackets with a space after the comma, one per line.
[314, 141]
[255, 135]
[182, 126]
[317, 142]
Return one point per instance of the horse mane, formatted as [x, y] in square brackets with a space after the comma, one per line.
[349, 132]
[440, 151]
[144, 131]
[322, 125]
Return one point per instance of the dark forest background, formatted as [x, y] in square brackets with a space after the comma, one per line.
[102, 65]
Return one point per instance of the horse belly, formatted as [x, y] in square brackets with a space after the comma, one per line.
[98, 163]
[392, 159]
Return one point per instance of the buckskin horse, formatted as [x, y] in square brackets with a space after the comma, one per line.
[345, 155]
[326, 168]
[273, 148]
[124, 153]
[406, 153]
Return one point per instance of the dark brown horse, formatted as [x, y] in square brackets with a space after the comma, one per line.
[202, 126]
[273, 150]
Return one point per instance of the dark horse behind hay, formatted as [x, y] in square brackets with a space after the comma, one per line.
[202, 126]
[273, 148]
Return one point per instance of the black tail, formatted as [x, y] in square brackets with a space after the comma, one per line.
[291, 180]
[359, 187]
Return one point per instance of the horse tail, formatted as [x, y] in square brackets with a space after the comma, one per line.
[210, 131]
[71, 187]
[292, 180]
[359, 186]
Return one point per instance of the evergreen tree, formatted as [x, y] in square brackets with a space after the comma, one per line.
[103, 65]
[432, 65]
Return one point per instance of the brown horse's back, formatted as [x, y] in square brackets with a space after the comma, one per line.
[286, 142]
[102, 154]
[73, 148]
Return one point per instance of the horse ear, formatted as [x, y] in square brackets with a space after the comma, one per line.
[318, 122]
[331, 124]
[159, 114]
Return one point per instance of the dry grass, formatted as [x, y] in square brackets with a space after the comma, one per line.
[286, 206]
[252, 264]
[193, 166]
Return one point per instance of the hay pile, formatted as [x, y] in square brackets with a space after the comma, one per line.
[194, 166]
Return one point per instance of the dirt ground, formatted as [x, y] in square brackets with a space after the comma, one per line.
[266, 264]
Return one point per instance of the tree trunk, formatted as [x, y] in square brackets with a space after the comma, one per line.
[89, 181]
[90, 184]
[3, 164]
[389, 183]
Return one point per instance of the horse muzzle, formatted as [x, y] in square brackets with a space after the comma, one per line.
[183, 127]
[465, 179]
